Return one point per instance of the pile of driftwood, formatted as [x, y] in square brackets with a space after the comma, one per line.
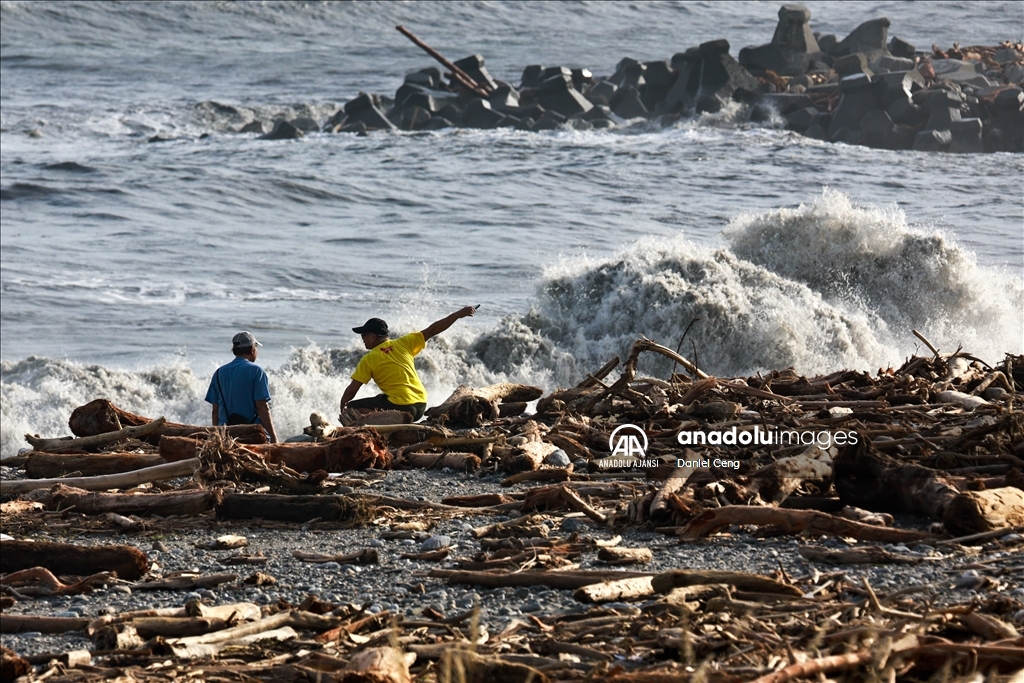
[941, 437]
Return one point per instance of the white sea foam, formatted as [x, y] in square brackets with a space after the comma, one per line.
[868, 258]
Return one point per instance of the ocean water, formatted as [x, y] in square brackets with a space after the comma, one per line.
[126, 266]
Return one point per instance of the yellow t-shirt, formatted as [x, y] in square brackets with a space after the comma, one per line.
[390, 365]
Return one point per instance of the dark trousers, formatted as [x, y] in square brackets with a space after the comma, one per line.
[381, 402]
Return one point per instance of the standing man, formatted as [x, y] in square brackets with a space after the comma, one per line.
[239, 391]
[390, 364]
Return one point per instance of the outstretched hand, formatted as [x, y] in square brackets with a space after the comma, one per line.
[443, 324]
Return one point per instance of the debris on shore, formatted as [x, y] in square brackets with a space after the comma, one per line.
[826, 460]
[865, 89]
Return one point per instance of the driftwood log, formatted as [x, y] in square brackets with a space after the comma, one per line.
[794, 522]
[625, 555]
[979, 511]
[64, 497]
[868, 479]
[379, 665]
[24, 623]
[570, 580]
[461, 462]
[472, 407]
[666, 581]
[283, 508]
[170, 470]
[613, 591]
[354, 449]
[84, 443]
[459, 664]
[101, 416]
[41, 465]
[76, 560]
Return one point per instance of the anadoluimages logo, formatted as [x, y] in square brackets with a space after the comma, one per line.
[625, 442]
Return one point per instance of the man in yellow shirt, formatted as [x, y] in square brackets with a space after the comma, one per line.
[390, 364]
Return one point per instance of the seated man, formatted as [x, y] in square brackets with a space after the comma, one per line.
[390, 364]
[239, 391]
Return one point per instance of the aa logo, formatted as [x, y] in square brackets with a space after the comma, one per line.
[628, 441]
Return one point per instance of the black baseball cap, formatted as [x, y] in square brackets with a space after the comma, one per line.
[373, 326]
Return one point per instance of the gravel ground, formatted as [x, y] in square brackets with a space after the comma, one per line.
[402, 586]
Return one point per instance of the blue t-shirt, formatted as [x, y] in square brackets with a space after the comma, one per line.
[243, 383]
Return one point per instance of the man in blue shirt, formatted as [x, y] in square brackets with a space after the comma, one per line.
[239, 391]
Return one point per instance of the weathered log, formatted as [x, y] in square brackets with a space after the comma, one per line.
[559, 401]
[51, 584]
[572, 447]
[666, 581]
[170, 470]
[186, 583]
[471, 407]
[407, 504]
[689, 596]
[354, 449]
[481, 500]
[507, 392]
[427, 556]
[573, 500]
[75, 560]
[595, 378]
[625, 555]
[867, 479]
[24, 623]
[86, 442]
[979, 511]
[293, 618]
[512, 409]
[374, 621]
[614, 591]
[469, 667]
[778, 480]
[163, 504]
[177, 627]
[507, 529]
[794, 522]
[863, 555]
[283, 508]
[117, 637]
[232, 612]
[41, 465]
[570, 580]
[543, 498]
[178, 448]
[102, 416]
[462, 462]
[1007, 660]
[526, 457]
[822, 665]
[379, 665]
[467, 410]
[244, 434]
[660, 510]
[364, 556]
